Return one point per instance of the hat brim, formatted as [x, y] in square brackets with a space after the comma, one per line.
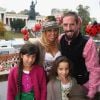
[50, 27]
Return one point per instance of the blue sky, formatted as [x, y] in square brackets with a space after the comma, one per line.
[44, 6]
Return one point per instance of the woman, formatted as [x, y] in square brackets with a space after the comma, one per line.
[48, 43]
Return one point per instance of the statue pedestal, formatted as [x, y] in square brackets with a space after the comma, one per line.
[30, 24]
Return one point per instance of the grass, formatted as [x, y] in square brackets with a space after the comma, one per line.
[11, 35]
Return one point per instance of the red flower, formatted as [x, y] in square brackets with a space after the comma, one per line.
[24, 31]
[93, 30]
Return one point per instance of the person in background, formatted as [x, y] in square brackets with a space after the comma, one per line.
[48, 43]
[27, 81]
[82, 51]
[62, 85]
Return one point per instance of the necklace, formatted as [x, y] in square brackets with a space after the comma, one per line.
[69, 41]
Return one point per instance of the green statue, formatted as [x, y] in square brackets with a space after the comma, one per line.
[32, 13]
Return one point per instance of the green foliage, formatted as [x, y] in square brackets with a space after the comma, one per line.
[85, 15]
[17, 24]
[2, 29]
[10, 35]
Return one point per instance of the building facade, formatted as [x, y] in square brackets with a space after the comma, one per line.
[6, 18]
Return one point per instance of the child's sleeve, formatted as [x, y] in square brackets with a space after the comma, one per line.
[49, 91]
[11, 86]
[43, 86]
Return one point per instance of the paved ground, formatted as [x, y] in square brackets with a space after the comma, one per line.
[3, 90]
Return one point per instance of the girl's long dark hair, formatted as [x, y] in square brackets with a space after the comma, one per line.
[58, 60]
[29, 49]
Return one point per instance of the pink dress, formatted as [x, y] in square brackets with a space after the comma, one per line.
[92, 62]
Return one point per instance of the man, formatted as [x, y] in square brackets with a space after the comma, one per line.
[82, 52]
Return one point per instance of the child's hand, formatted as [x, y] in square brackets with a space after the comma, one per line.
[63, 79]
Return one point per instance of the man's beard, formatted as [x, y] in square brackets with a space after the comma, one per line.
[71, 36]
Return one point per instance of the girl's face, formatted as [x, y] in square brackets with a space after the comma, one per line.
[52, 34]
[63, 70]
[28, 60]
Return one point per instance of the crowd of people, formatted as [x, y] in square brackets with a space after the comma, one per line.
[7, 61]
[57, 66]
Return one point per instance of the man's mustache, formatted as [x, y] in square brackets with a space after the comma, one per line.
[69, 31]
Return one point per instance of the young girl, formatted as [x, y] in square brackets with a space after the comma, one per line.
[27, 81]
[62, 86]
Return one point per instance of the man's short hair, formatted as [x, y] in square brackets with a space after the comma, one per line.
[71, 13]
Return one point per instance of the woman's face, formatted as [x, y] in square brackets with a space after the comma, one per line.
[63, 70]
[28, 60]
[52, 34]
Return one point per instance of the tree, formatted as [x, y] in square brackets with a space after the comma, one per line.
[24, 12]
[17, 24]
[58, 11]
[65, 11]
[11, 12]
[54, 10]
[85, 15]
[2, 29]
[93, 19]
